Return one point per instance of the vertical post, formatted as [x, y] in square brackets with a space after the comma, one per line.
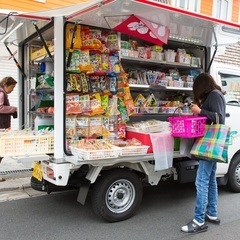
[58, 87]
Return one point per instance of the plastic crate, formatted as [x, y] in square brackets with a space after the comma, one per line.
[187, 126]
[26, 145]
[82, 154]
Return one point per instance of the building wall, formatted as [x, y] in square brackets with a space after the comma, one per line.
[37, 5]
[206, 7]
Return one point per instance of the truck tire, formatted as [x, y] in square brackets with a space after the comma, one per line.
[234, 174]
[117, 195]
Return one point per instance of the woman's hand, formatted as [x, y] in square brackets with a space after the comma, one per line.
[195, 108]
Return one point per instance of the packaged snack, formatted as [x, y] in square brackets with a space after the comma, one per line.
[95, 105]
[121, 131]
[123, 110]
[69, 36]
[112, 42]
[95, 83]
[84, 103]
[150, 101]
[95, 126]
[139, 100]
[96, 62]
[73, 82]
[112, 82]
[82, 126]
[84, 82]
[70, 126]
[84, 61]
[114, 63]
[72, 104]
[75, 60]
[104, 102]
[91, 38]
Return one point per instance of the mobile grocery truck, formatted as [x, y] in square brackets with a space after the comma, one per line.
[121, 68]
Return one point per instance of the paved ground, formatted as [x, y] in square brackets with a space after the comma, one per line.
[17, 184]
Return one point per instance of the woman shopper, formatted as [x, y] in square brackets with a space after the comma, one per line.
[208, 100]
[7, 85]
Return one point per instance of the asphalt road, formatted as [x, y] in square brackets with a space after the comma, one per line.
[163, 211]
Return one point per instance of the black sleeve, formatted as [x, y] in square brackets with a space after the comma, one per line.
[214, 103]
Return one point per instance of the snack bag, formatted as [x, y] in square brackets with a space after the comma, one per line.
[82, 129]
[84, 61]
[84, 103]
[91, 38]
[95, 126]
[95, 105]
[75, 60]
[72, 104]
[69, 37]
[73, 82]
[70, 126]
[112, 42]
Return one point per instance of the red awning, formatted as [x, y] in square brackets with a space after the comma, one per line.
[144, 29]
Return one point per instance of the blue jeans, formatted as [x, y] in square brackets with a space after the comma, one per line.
[207, 190]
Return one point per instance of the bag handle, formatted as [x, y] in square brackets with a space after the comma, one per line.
[217, 118]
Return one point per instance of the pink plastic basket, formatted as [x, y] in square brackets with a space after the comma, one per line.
[187, 126]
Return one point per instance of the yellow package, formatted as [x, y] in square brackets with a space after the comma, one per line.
[77, 39]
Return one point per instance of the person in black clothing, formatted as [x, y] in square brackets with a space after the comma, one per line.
[208, 100]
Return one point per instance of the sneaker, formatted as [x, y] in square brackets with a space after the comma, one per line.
[213, 220]
[193, 227]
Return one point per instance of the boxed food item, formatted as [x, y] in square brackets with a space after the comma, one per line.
[143, 137]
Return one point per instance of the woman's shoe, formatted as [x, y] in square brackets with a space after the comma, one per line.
[2, 179]
[211, 220]
[193, 227]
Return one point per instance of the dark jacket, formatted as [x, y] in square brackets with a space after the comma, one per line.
[5, 118]
[214, 103]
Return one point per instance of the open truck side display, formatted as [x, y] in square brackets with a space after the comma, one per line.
[97, 85]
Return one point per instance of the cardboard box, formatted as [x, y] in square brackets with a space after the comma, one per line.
[41, 52]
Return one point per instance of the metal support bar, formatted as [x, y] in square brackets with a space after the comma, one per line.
[43, 41]
[15, 60]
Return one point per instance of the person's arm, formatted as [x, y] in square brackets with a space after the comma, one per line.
[5, 109]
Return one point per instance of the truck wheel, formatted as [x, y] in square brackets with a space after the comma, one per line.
[117, 195]
[234, 174]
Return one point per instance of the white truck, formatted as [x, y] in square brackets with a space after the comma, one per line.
[117, 184]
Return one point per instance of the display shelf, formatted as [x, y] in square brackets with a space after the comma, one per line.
[157, 88]
[152, 62]
[42, 114]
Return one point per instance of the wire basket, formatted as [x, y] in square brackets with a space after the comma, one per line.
[187, 126]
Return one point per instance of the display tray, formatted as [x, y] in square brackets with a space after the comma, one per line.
[134, 150]
[164, 126]
[82, 154]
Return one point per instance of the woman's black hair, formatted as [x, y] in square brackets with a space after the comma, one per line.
[202, 86]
